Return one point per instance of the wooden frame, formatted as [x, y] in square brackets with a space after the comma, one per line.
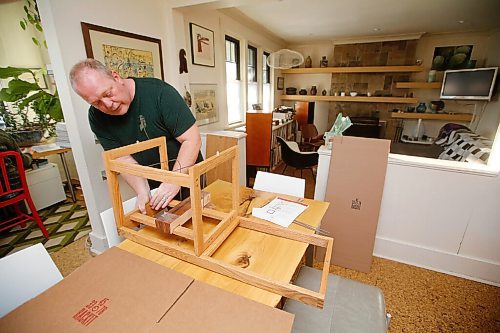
[129, 54]
[280, 83]
[205, 108]
[205, 245]
[202, 45]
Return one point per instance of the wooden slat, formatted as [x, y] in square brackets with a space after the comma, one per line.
[235, 181]
[361, 99]
[364, 69]
[214, 161]
[326, 267]
[272, 229]
[214, 214]
[222, 237]
[136, 147]
[196, 218]
[160, 175]
[218, 230]
[184, 232]
[181, 220]
[114, 191]
[143, 219]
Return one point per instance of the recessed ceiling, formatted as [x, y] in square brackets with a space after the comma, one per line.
[305, 21]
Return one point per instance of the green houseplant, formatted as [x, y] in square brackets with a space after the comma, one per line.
[33, 108]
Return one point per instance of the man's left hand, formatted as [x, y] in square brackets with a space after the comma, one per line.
[163, 195]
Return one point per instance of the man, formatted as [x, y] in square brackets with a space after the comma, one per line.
[128, 110]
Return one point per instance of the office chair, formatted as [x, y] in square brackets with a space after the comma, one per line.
[14, 190]
[292, 156]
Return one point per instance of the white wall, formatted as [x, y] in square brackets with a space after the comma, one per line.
[16, 47]
[153, 18]
[223, 23]
[61, 20]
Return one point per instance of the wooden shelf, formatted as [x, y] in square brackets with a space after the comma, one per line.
[433, 116]
[362, 99]
[364, 69]
[419, 85]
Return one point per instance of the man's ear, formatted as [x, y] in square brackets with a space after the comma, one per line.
[116, 76]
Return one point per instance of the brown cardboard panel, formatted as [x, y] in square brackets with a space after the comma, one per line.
[204, 308]
[355, 187]
[114, 292]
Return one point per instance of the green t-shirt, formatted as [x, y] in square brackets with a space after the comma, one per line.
[159, 107]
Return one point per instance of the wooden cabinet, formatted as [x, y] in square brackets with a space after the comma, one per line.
[262, 147]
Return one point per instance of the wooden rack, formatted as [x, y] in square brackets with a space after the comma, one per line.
[204, 245]
[363, 69]
[361, 99]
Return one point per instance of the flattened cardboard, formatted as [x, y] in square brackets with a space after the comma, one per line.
[355, 186]
[204, 308]
[114, 292]
[121, 292]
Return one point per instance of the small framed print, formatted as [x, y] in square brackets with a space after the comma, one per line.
[202, 45]
[280, 84]
[204, 98]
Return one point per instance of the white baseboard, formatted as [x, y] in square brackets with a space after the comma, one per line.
[439, 261]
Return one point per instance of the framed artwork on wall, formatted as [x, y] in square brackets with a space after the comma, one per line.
[202, 45]
[204, 99]
[280, 83]
[130, 55]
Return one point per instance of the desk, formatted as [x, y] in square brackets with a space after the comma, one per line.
[275, 257]
[61, 152]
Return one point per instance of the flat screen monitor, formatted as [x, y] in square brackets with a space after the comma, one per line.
[473, 84]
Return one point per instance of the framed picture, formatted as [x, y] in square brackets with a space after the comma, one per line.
[204, 98]
[202, 45]
[126, 53]
[280, 84]
[452, 57]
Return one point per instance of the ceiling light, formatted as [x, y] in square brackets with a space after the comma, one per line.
[461, 21]
[376, 29]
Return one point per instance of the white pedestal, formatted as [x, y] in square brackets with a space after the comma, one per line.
[45, 186]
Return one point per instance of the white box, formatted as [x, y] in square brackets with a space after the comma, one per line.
[45, 186]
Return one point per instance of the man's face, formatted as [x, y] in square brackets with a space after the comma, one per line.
[108, 94]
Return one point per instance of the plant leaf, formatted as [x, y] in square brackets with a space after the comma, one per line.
[10, 72]
[38, 27]
[31, 98]
[37, 43]
[22, 24]
[20, 87]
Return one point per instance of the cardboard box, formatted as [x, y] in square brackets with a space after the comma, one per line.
[355, 186]
[121, 292]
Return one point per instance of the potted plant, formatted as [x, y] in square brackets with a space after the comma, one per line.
[34, 112]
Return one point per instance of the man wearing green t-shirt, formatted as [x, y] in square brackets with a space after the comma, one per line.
[125, 111]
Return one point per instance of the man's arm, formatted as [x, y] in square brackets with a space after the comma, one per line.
[190, 147]
[139, 185]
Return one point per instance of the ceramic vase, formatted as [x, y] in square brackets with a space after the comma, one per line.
[308, 62]
[323, 62]
[314, 91]
[421, 107]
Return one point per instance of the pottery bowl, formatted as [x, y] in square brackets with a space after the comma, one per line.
[353, 93]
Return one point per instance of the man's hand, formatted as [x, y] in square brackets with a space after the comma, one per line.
[142, 201]
[163, 195]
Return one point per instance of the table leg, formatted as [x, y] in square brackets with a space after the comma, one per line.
[68, 176]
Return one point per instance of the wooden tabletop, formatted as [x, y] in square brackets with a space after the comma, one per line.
[272, 256]
[42, 154]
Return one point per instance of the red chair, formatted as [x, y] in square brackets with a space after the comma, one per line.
[14, 190]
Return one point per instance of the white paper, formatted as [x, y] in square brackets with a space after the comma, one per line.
[280, 211]
[275, 183]
[47, 147]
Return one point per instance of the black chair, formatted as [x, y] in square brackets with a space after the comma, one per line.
[295, 158]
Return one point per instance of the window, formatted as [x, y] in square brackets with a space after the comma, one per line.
[266, 83]
[252, 86]
[233, 81]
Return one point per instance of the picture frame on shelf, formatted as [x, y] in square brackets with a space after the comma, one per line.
[202, 45]
[204, 99]
[129, 54]
[280, 83]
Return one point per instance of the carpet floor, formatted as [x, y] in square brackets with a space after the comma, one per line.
[65, 223]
